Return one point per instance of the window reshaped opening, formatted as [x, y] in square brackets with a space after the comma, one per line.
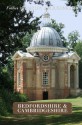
[45, 78]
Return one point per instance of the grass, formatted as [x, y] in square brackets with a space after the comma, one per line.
[73, 119]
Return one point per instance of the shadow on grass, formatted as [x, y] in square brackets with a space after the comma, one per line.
[73, 118]
[77, 109]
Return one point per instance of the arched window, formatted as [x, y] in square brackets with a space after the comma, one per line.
[72, 76]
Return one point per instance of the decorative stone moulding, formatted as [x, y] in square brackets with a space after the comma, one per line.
[46, 49]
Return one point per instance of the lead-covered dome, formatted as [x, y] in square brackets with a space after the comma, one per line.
[46, 39]
[47, 36]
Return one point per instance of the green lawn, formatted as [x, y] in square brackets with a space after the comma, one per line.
[73, 119]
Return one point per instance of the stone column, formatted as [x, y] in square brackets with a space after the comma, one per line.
[68, 75]
[76, 77]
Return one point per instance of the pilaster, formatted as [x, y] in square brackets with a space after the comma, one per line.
[15, 75]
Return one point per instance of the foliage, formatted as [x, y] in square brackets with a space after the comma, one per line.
[14, 24]
[58, 28]
[75, 4]
[80, 74]
[78, 49]
[26, 40]
[7, 100]
[6, 74]
[73, 38]
[41, 2]
[17, 97]
[3, 108]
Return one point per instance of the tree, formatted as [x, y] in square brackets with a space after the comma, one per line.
[75, 4]
[14, 23]
[73, 38]
[78, 49]
[58, 28]
[41, 2]
[27, 39]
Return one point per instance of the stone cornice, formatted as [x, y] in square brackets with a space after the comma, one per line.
[46, 49]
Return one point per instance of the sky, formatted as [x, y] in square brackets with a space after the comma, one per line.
[61, 13]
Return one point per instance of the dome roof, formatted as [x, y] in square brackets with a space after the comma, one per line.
[47, 36]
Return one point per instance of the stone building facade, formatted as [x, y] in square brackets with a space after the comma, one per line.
[47, 70]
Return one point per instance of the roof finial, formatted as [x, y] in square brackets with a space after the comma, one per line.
[46, 14]
[46, 9]
[46, 18]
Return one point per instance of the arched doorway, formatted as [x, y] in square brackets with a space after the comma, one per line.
[72, 76]
[45, 95]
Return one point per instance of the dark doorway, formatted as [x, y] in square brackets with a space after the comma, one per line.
[45, 95]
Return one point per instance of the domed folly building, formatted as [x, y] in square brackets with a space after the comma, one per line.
[47, 70]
